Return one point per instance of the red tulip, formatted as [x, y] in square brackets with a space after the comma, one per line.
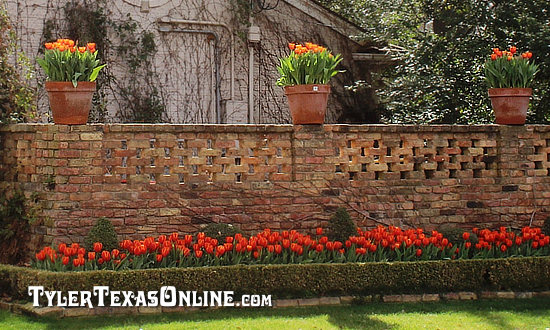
[159, 257]
[198, 253]
[106, 256]
[319, 231]
[41, 255]
[466, 236]
[98, 247]
[91, 255]
[418, 252]
[65, 260]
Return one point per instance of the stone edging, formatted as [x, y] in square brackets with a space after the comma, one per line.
[61, 312]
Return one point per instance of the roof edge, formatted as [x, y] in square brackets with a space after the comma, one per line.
[327, 17]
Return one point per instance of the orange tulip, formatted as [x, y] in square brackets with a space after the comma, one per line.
[49, 45]
[291, 46]
[513, 49]
[82, 49]
[494, 57]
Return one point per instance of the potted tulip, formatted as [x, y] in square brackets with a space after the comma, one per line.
[305, 74]
[71, 72]
[510, 77]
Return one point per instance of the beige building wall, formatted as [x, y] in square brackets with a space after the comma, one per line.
[200, 70]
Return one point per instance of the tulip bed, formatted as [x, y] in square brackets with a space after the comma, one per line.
[291, 247]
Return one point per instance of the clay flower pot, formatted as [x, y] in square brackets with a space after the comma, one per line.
[70, 105]
[307, 103]
[510, 104]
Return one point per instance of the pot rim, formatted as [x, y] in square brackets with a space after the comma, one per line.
[62, 85]
[510, 92]
[307, 89]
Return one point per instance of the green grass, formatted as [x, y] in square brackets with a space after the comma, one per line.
[482, 314]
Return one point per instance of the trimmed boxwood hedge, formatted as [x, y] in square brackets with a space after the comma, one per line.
[517, 274]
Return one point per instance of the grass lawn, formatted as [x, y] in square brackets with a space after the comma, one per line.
[481, 314]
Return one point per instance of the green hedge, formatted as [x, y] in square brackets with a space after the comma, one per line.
[517, 274]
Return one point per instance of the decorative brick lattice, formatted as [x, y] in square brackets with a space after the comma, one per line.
[377, 156]
[196, 158]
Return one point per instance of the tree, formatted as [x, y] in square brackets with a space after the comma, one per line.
[438, 77]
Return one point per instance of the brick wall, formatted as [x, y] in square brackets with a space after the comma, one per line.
[151, 179]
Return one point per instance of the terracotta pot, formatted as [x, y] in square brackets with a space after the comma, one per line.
[510, 104]
[70, 105]
[308, 103]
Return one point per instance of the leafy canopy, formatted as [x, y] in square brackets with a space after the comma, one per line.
[440, 47]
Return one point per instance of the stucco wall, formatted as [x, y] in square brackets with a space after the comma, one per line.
[184, 66]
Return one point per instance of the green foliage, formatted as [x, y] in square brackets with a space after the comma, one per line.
[454, 234]
[546, 226]
[74, 66]
[517, 72]
[142, 100]
[104, 232]
[340, 226]
[439, 49]
[220, 231]
[517, 274]
[308, 68]
[16, 214]
[16, 95]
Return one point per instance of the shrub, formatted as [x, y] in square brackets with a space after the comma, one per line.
[454, 234]
[546, 226]
[517, 274]
[340, 226]
[16, 215]
[220, 231]
[104, 232]
[16, 95]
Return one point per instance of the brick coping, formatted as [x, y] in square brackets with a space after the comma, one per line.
[61, 312]
[250, 128]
